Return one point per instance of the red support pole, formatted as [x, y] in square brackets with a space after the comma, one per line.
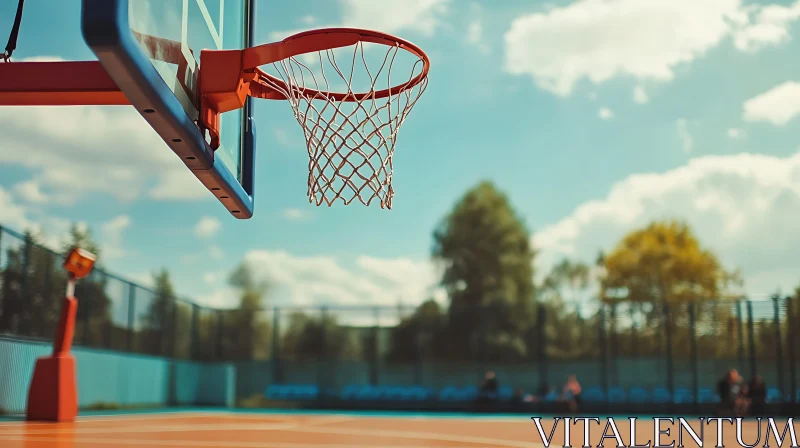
[53, 394]
[58, 84]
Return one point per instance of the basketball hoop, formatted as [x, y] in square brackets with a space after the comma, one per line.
[350, 118]
[350, 133]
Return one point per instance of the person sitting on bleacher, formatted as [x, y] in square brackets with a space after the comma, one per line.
[489, 387]
[757, 394]
[572, 393]
[732, 394]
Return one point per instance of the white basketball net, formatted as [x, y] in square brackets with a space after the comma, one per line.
[350, 143]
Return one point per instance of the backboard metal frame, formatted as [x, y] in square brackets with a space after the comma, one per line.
[107, 32]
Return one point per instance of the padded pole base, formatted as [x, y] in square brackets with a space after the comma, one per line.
[53, 395]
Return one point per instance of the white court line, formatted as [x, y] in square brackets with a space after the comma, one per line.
[155, 429]
[282, 426]
[111, 417]
[306, 427]
[193, 443]
[425, 436]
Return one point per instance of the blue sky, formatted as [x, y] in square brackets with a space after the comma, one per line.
[594, 116]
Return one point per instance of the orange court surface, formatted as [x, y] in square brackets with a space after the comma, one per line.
[237, 429]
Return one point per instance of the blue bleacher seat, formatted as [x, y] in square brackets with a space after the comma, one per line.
[448, 393]
[593, 394]
[308, 392]
[774, 395]
[349, 392]
[292, 392]
[683, 395]
[638, 395]
[661, 395]
[616, 395]
[467, 393]
[275, 391]
[419, 393]
[706, 395]
[395, 393]
[552, 395]
[506, 392]
[370, 393]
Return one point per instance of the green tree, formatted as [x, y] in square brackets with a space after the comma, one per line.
[564, 292]
[32, 286]
[488, 273]
[317, 337]
[164, 322]
[420, 334]
[247, 332]
[32, 290]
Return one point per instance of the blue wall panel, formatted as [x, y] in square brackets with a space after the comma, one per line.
[118, 378]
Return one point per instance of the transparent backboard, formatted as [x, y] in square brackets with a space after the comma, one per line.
[172, 33]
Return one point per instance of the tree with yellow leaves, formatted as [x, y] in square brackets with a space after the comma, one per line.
[664, 262]
[661, 271]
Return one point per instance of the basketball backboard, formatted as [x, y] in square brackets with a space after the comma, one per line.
[151, 49]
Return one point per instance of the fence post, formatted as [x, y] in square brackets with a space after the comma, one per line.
[277, 371]
[173, 338]
[324, 370]
[603, 348]
[632, 306]
[24, 283]
[740, 334]
[541, 354]
[131, 316]
[87, 311]
[193, 332]
[693, 351]
[791, 347]
[751, 339]
[375, 355]
[614, 345]
[220, 334]
[668, 349]
[778, 344]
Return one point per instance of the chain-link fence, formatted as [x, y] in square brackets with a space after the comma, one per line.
[684, 347]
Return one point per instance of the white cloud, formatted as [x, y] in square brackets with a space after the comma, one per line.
[12, 214]
[111, 235]
[359, 281]
[295, 214]
[74, 151]
[308, 20]
[389, 16]
[736, 134]
[597, 40]
[766, 26]
[605, 113]
[742, 206]
[475, 36]
[777, 106]
[685, 137]
[422, 16]
[30, 191]
[640, 96]
[207, 227]
[216, 252]
[210, 277]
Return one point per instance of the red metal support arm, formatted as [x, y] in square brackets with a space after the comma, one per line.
[58, 84]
